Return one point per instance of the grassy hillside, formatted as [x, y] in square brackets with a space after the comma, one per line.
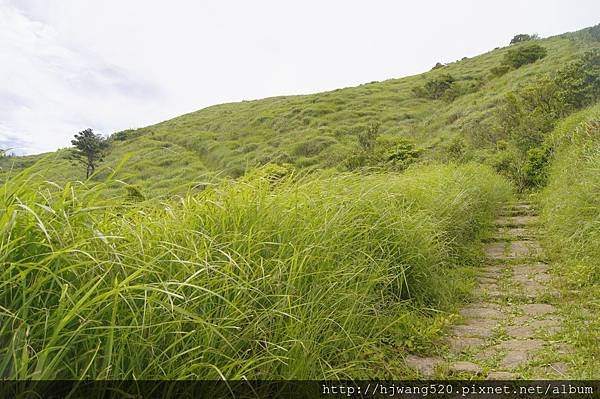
[321, 130]
[571, 209]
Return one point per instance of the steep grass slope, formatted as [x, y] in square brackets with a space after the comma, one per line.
[571, 210]
[320, 130]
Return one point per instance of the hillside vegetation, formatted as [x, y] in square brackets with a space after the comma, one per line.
[571, 209]
[323, 236]
[270, 278]
[453, 112]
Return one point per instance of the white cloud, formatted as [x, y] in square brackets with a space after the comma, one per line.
[116, 64]
[51, 91]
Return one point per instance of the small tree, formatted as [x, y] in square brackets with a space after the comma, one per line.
[90, 149]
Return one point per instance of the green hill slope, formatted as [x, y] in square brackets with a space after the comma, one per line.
[320, 130]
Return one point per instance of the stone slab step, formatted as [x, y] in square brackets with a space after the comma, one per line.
[424, 365]
[516, 221]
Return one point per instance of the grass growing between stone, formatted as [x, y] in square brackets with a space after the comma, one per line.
[267, 277]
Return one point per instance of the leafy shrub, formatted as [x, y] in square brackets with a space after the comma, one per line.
[524, 54]
[127, 134]
[401, 153]
[523, 37]
[528, 113]
[446, 87]
[455, 150]
[507, 162]
[384, 152]
[436, 87]
[579, 81]
[536, 166]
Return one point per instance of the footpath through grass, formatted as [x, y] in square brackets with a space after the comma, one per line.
[328, 277]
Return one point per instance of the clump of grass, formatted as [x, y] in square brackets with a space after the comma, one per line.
[327, 277]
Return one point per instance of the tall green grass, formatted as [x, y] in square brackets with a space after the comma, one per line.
[328, 277]
[571, 213]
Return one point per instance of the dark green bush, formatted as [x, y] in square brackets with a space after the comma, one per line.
[536, 166]
[126, 134]
[579, 82]
[436, 87]
[528, 113]
[523, 37]
[523, 55]
[446, 87]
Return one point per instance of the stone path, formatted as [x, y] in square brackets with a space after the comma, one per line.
[510, 329]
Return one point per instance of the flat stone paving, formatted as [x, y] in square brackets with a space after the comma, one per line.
[509, 325]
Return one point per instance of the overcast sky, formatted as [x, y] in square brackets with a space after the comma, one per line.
[115, 64]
